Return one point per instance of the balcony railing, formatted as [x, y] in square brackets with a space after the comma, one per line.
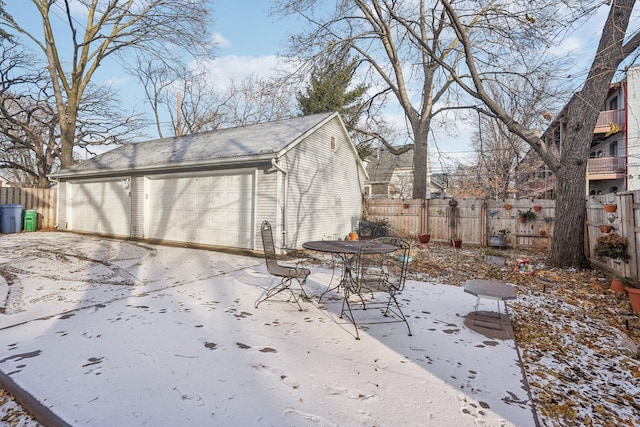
[612, 116]
[606, 166]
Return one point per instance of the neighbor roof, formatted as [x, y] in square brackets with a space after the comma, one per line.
[257, 142]
[383, 163]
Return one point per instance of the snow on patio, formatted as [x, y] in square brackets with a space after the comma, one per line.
[110, 332]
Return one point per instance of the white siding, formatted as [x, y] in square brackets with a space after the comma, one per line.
[324, 187]
[137, 207]
[267, 204]
[633, 128]
[63, 190]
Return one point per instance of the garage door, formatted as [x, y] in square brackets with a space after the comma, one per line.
[212, 210]
[101, 207]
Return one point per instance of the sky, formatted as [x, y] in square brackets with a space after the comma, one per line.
[249, 40]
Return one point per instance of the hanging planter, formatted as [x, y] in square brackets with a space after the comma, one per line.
[405, 205]
[610, 207]
[526, 216]
[612, 246]
[605, 228]
[453, 203]
[507, 206]
[537, 208]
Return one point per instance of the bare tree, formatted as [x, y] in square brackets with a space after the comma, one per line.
[497, 171]
[402, 46]
[569, 166]
[29, 131]
[111, 28]
[255, 100]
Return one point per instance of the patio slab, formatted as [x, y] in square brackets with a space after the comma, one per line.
[109, 332]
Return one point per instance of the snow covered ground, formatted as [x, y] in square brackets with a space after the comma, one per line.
[106, 332]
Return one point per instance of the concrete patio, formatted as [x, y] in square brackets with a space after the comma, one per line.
[107, 332]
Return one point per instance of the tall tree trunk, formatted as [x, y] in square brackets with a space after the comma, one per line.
[582, 113]
[421, 189]
[67, 138]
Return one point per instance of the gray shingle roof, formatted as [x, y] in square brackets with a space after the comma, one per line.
[383, 164]
[219, 146]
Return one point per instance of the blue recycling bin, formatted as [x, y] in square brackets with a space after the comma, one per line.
[10, 218]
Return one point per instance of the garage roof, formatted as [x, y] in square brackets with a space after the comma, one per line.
[262, 141]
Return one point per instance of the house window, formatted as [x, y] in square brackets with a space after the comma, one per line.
[613, 103]
[333, 143]
[613, 149]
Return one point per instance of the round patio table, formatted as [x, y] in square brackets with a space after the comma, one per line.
[346, 251]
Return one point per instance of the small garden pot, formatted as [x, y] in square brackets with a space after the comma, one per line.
[617, 285]
[353, 236]
[507, 206]
[457, 243]
[634, 296]
[537, 208]
[610, 208]
[424, 238]
[604, 228]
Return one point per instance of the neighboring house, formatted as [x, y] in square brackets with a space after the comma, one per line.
[614, 163]
[215, 188]
[391, 176]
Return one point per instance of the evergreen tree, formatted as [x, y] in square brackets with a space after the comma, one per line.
[329, 90]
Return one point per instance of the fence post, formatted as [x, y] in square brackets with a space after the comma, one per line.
[627, 229]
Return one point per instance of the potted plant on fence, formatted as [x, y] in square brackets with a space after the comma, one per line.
[498, 239]
[612, 246]
[527, 216]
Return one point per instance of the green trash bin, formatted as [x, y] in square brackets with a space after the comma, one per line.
[30, 219]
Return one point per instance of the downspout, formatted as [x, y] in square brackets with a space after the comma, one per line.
[274, 163]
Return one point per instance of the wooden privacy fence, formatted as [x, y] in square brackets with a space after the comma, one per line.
[42, 200]
[472, 219]
[625, 222]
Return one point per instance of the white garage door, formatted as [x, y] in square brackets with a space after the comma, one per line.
[100, 207]
[211, 210]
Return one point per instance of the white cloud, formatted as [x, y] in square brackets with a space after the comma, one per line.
[229, 68]
[221, 41]
[117, 81]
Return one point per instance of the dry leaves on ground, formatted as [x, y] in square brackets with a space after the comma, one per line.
[580, 359]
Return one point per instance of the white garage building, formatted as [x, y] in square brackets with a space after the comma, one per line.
[303, 174]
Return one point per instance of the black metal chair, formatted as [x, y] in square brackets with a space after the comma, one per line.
[287, 274]
[375, 272]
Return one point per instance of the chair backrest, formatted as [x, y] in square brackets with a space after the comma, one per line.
[384, 270]
[268, 246]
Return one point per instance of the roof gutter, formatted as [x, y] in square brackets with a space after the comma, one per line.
[167, 167]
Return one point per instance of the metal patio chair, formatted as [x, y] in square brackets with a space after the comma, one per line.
[378, 273]
[287, 274]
